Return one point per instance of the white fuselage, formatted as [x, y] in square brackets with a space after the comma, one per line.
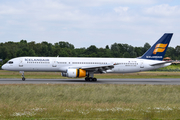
[62, 64]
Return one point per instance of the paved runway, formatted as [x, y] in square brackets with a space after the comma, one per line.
[100, 81]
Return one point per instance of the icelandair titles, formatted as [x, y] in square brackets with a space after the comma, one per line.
[154, 57]
[37, 60]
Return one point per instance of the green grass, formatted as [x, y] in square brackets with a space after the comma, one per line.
[87, 101]
[45, 75]
[90, 101]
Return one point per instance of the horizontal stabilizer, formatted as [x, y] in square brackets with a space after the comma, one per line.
[161, 63]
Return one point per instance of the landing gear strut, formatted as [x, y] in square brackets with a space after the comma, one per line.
[23, 78]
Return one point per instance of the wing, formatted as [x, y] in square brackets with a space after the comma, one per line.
[95, 68]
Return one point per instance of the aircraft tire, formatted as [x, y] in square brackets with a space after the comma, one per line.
[86, 79]
[23, 79]
[90, 79]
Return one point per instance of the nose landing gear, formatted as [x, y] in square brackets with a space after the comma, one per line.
[23, 78]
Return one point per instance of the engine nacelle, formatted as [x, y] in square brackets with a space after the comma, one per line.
[74, 73]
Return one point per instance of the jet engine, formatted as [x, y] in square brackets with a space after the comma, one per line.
[74, 73]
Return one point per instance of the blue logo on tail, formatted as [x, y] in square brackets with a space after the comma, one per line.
[158, 50]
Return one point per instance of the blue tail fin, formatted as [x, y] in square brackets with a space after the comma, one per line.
[158, 50]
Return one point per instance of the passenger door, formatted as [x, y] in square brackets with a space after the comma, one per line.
[54, 63]
[20, 62]
[141, 64]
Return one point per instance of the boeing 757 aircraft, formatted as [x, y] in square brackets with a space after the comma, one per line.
[74, 67]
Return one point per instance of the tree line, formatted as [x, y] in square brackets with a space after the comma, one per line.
[10, 50]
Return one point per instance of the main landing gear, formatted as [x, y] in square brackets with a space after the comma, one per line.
[23, 78]
[90, 79]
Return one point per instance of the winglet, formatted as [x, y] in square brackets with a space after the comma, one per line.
[158, 50]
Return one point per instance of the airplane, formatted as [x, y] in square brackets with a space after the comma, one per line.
[78, 67]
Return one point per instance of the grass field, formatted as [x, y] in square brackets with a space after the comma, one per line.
[87, 101]
[90, 102]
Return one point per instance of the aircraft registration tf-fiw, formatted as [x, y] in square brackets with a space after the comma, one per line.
[77, 67]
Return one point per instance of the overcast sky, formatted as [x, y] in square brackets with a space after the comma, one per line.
[90, 22]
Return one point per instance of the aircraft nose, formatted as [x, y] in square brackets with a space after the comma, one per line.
[4, 67]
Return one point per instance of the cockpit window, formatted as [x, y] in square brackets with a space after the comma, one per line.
[10, 62]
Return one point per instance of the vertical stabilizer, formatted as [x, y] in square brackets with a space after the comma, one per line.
[158, 50]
